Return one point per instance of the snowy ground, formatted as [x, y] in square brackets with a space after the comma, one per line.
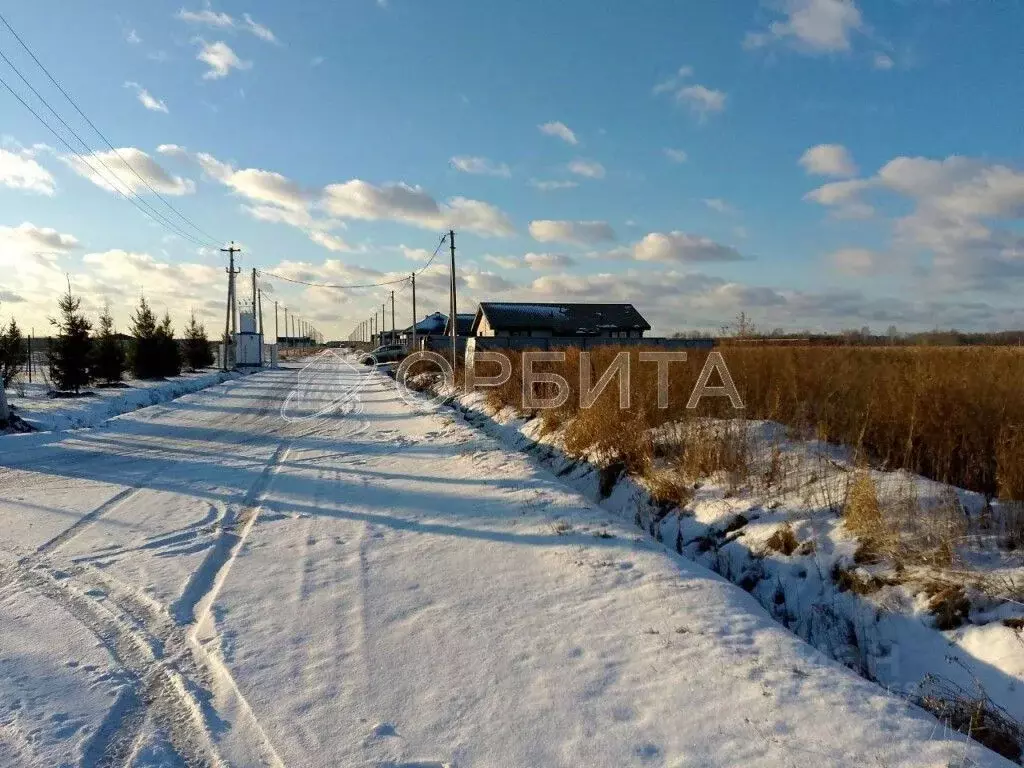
[268, 572]
[34, 405]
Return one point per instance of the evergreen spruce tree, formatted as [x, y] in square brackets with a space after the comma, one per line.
[168, 349]
[145, 351]
[71, 349]
[108, 361]
[13, 353]
[198, 352]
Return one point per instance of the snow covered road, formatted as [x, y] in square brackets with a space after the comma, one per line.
[358, 583]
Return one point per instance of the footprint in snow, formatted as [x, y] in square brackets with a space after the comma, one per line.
[383, 729]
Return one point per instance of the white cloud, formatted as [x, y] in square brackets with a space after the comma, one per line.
[27, 239]
[146, 99]
[681, 247]
[548, 186]
[262, 32]
[505, 262]
[882, 61]
[719, 205]
[358, 199]
[122, 166]
[488, 282]
[590, 169]
[812, 26]
[960, 206]
[133, 37]
[207, 18]
[675, 155]
[538, 262]
[855, 261]
[829, 160]
[672, 83]
[559, 130]
[701, 100]
[545, 261]
[577, 232]
[220, 59]
[220, 20]
[329, 241]
[21, 171]
[844, 197]
[416, 254]
[257, 184]
[480, 166]
[172, 150]
[285, 201]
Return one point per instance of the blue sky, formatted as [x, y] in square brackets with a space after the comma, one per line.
[818, 164]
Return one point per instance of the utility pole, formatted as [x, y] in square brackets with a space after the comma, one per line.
[393, 335]
[286, 322]
[255, 300]
[229, 318]
[276, 335]
[259, 302]
[413, 311]
[455, 313]
[383, 320]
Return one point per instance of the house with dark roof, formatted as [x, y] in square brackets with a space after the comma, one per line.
[464, 327]
[614, 321]
[431, 325]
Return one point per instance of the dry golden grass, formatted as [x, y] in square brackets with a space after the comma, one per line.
[953, 414]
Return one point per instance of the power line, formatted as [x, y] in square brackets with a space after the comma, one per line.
[431, 259]
[366, 285]
[92, 125]
[154, 216]
[329, 285]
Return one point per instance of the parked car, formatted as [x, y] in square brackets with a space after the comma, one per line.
[388, 353]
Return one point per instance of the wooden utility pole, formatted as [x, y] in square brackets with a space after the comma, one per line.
[255, 300]
[276, 335]
[383, 320]
[393, 334]
[455, 306]
[413, 311]
[229, 318]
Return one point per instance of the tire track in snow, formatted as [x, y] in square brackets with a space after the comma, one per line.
[173, 639]
[161, 688]
[86, 521]
[202, 591]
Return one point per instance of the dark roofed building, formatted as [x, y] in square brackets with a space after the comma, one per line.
[615, 321]
[465, 326]
[431, 325]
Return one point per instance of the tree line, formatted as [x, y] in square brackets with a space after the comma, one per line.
[79, 354]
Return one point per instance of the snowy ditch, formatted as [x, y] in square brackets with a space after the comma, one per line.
[785, 543]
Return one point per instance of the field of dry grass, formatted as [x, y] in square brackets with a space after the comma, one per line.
[955, 415]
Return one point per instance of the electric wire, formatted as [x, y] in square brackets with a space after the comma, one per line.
[183, 217]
